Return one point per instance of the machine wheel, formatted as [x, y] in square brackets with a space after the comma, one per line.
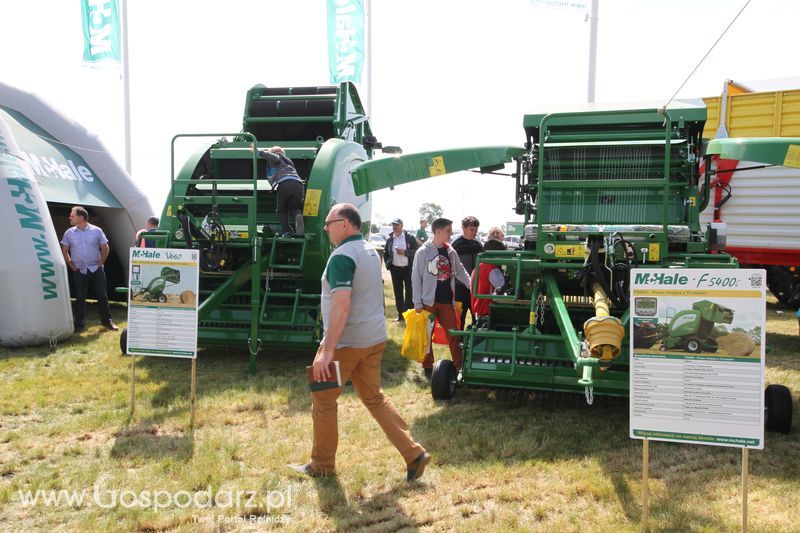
[123, 341]
[162, 298]
[784, 284]
[693, 346]
[778, 407]
[663, 347]
[443, 380]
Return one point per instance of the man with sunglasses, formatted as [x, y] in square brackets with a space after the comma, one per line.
[354, 335]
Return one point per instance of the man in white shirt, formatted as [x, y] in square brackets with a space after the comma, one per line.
[398, 253]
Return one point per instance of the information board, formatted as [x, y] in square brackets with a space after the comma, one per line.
[162, 302]
[697, 363]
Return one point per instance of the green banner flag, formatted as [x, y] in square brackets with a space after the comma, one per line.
[345, 40]
[101, 31]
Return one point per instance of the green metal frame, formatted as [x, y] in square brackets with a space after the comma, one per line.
[534, 338]
[268, 290]
[783, 151]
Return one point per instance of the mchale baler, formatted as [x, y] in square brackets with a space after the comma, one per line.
[258, 288]
[602, 192]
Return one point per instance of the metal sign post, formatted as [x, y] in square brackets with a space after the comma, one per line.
[745, 475]
[194, 386]
[162, 308]
[133, 384]
[697, 348]
[645, 486]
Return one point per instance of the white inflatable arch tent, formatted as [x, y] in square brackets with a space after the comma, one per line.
[48, 163]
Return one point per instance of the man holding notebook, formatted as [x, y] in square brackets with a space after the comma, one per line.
[355, 336]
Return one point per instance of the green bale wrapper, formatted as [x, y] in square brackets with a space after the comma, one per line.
[257, 288]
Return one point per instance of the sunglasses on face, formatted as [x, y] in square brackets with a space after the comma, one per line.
[327, 222]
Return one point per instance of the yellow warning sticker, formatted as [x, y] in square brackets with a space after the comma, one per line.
[693, 201]
[437, 168]
[654, 252]
[792, 156]
[532, 319]
[311, 207]
[569, 250]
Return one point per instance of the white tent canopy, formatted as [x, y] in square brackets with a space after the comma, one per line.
[73, 167]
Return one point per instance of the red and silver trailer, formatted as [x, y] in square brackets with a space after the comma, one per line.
[756, 188]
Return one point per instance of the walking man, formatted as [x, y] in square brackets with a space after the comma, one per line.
[399, 256]
[436, 268]
[85, 249]
[354, 335]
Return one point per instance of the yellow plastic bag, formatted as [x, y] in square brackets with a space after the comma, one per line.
[417, 339]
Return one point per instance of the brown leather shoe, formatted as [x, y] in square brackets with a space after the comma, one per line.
[417, 467]
[111, 326]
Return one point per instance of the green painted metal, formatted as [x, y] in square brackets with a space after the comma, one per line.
[769, 150]
[691, 329]
[264, 291]
[620, 183]
[393, 171]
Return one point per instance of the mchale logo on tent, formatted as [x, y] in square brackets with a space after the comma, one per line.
[66, 169]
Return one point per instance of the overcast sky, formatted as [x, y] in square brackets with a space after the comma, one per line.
[446, 73]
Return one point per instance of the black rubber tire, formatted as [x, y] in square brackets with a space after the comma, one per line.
[123, 341]
[693, 346]
[663, 347]
[778, 407]
[162, 298]
[443, 380]
[783, 283]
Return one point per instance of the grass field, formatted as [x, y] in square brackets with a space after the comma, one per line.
[545, 464]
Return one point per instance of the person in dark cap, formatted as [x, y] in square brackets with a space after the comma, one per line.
[398, 253]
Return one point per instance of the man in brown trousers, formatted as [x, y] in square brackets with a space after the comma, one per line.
[355, 336]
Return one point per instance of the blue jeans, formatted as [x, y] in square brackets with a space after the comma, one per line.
[97, 280]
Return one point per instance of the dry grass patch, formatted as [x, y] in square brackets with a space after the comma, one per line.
[501, 462]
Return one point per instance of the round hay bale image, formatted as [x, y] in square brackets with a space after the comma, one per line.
[188, 297]
[737, 344]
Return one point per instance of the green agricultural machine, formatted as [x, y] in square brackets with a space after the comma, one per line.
[154, 292]
[601, 193]
[691, 329]
[257, 288]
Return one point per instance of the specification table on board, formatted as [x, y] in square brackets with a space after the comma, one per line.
[696, 389]
[169, 330]
[697, 356]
